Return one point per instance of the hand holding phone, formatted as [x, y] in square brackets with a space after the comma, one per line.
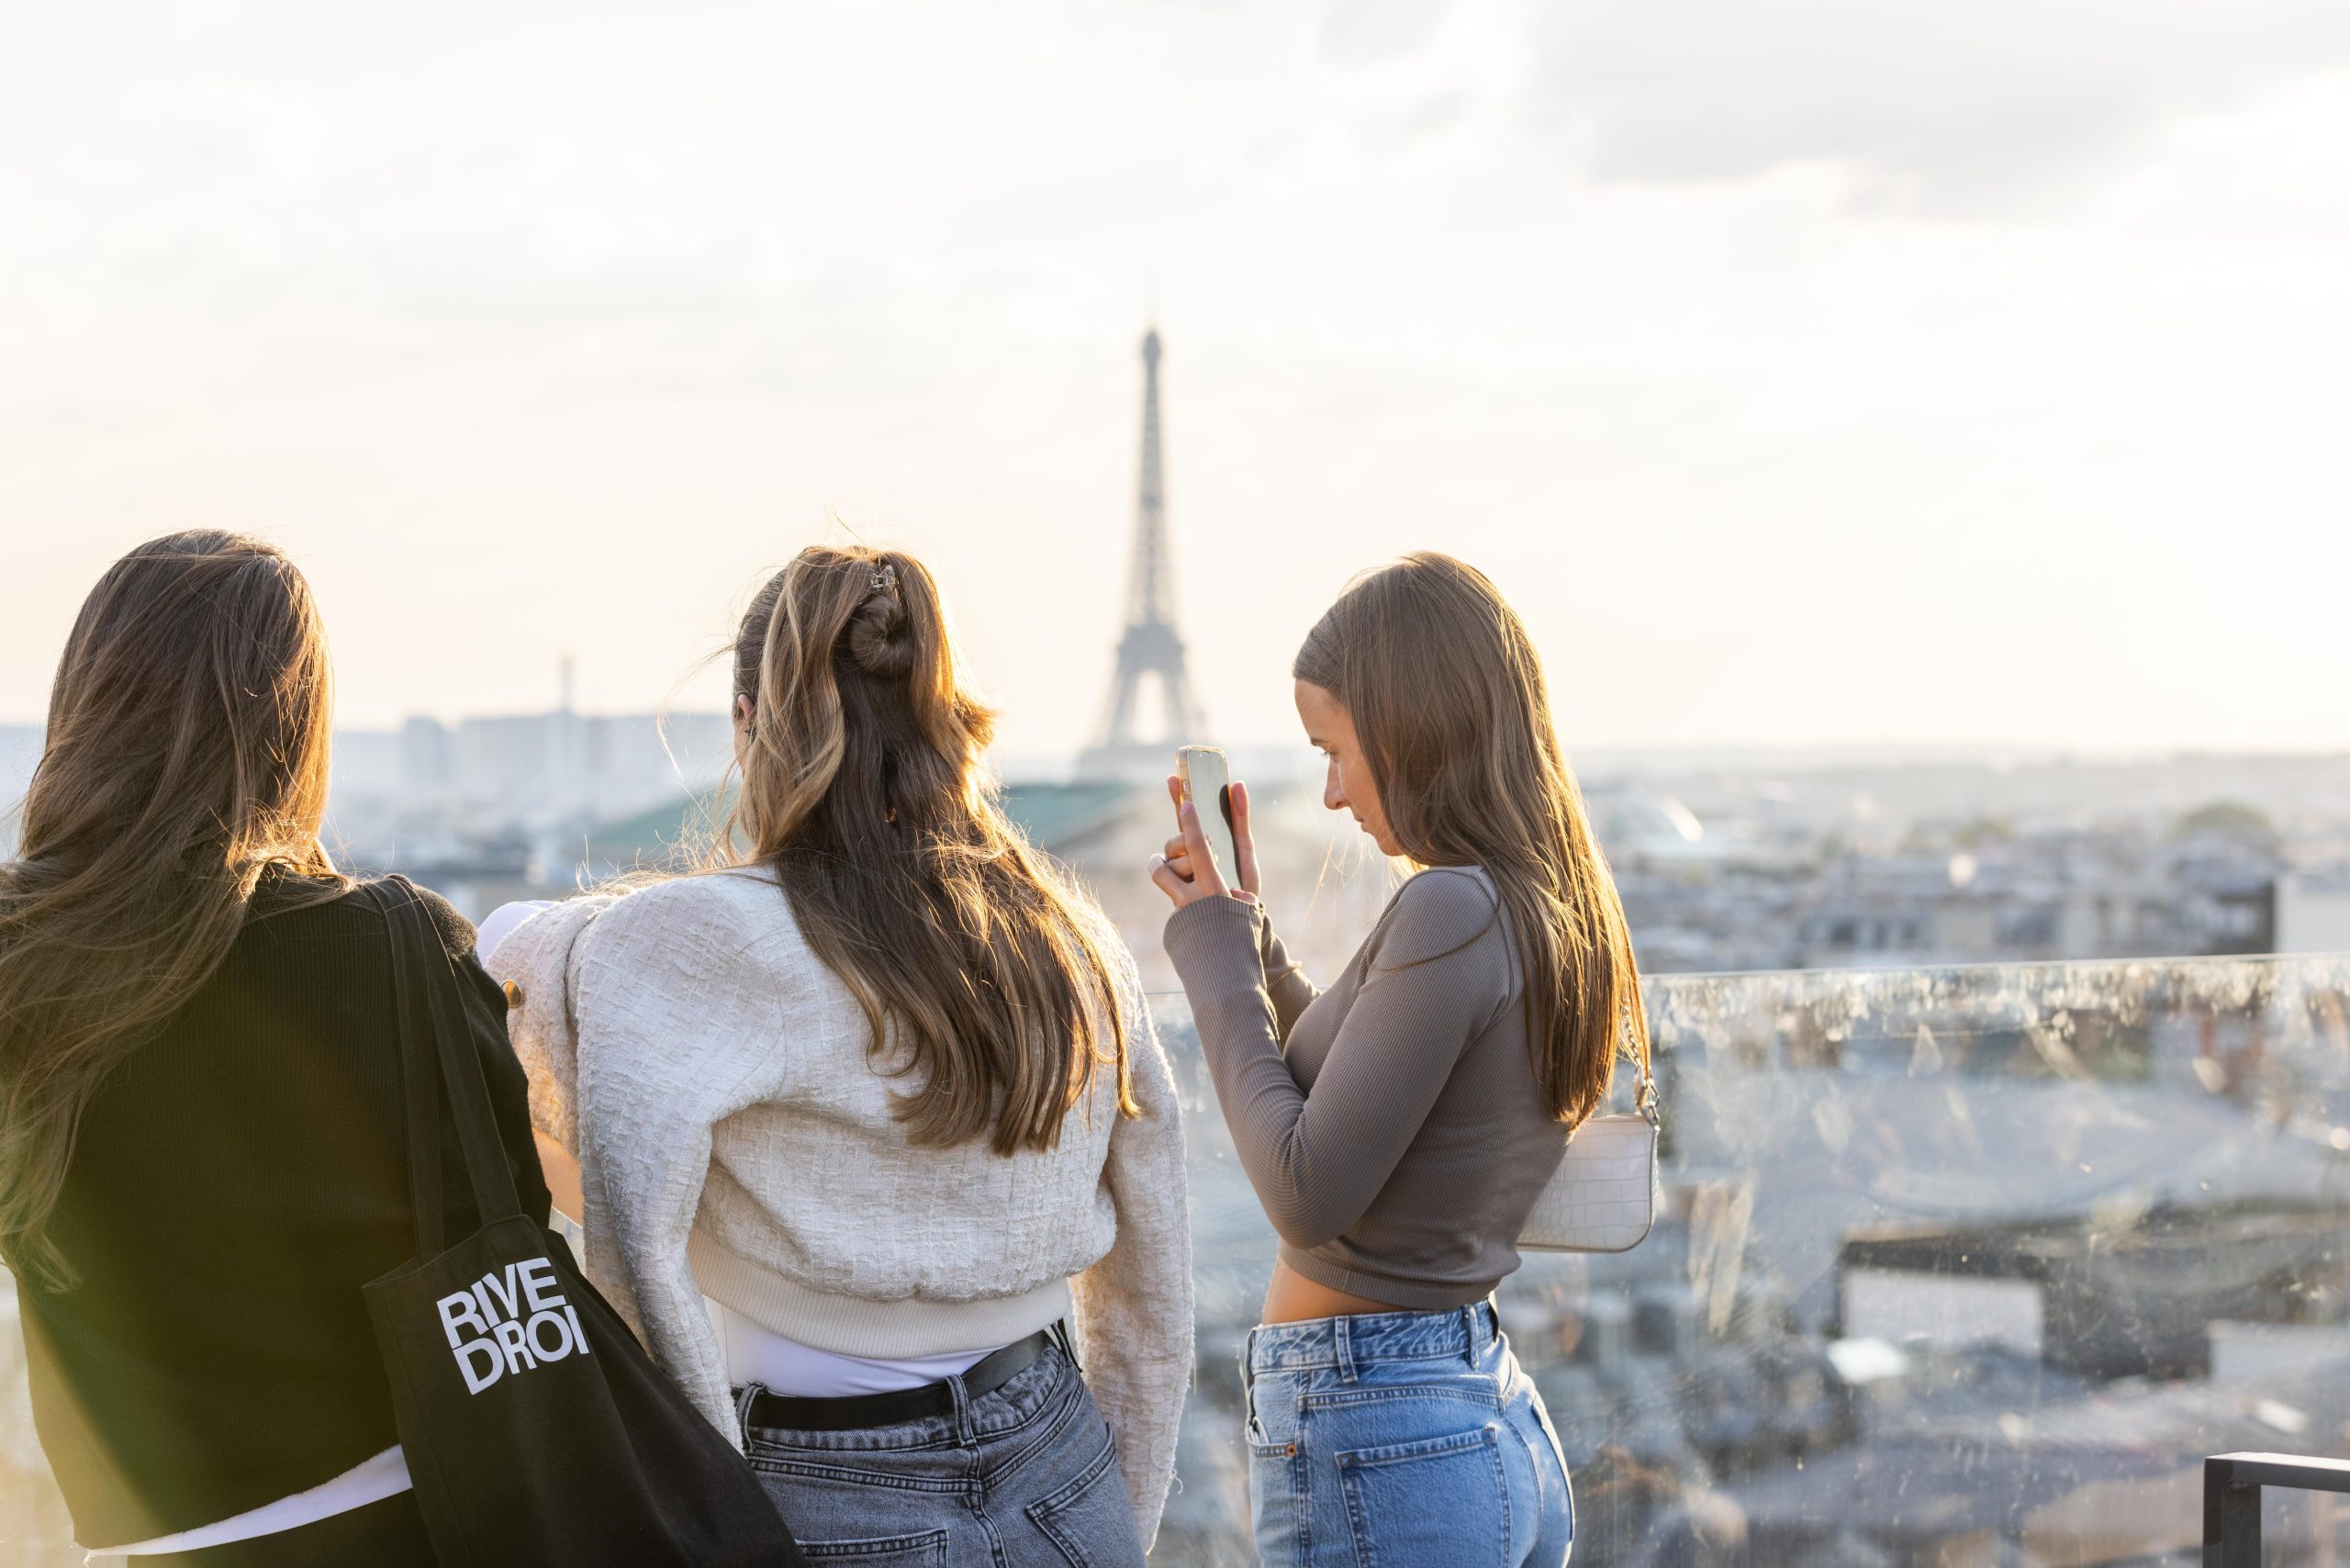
[1206, 777]
[1211, 853]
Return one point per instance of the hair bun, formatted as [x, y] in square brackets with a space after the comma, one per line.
[879, 639]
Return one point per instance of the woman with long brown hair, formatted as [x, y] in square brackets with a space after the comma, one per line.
[203, 1152]
[1399, 1126]
[879, 1083]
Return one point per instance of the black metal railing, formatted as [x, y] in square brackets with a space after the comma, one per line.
[2231, 1486]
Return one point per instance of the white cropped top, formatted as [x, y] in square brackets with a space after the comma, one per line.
[736, 1138]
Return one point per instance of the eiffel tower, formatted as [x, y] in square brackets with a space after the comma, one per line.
[1151, 647]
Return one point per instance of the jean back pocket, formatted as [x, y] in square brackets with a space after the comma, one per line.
[1437, 1503]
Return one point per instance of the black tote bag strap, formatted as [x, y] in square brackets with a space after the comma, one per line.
[420, 1066]
[495, 1197]
[437, 1055]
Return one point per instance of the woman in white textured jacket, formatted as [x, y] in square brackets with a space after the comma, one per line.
[883, 1090]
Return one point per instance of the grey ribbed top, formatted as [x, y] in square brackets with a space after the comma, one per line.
[1391, 1124]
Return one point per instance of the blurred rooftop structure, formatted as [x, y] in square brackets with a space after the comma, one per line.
[1959, 1266]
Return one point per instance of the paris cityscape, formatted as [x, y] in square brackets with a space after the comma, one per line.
[2005, 1166]
[1907, 435]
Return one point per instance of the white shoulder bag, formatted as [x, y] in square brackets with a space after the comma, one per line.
[1604, 1198]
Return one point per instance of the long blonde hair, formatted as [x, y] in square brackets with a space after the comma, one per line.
[1446, 696]
[187, 751]
[862, 789]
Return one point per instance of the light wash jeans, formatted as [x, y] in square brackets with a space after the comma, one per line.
[1024, 1477]
[1401, 1439]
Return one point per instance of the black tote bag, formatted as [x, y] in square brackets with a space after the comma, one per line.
[537, 1430]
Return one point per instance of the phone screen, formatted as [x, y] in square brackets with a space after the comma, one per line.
[1208, 777]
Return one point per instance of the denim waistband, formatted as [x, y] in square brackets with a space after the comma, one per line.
[1342, 1342]
[1043, 1386]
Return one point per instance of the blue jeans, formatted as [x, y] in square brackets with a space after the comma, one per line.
[1401, 1439]
[1023, 1477]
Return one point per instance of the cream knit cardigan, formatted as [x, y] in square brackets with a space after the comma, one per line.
[713, 1078]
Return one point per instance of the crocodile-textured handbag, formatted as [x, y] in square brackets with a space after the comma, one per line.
[1604, 1198]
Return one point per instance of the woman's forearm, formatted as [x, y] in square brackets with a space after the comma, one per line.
[1285, 983]
[562, 1172]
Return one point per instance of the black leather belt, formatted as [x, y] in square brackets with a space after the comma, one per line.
[854, 1412]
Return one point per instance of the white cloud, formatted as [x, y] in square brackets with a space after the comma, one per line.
[1963, 102]
[554, 327]
[1355, 32]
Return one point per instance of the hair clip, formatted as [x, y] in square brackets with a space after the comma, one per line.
[886, 577]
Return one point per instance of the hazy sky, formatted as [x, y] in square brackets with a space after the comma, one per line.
[1823, 371]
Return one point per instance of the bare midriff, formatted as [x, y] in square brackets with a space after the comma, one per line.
[1293, 1298]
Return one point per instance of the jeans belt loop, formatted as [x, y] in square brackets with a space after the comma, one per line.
[965, 1432]
[746, 1397]
[1469, 1335]
[1346, 1347]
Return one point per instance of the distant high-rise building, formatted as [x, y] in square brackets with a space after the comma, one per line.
[1151, 650]
[558, 767]
[427, 762]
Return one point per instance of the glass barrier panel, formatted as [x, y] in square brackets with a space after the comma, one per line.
[1964, 1266]
[1958, 1266]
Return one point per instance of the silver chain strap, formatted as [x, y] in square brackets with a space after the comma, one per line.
[1644, 1099]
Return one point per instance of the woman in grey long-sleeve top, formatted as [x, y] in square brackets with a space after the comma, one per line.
[1399, 1126]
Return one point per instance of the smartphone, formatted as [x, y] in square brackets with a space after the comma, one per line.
[1207, 785]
